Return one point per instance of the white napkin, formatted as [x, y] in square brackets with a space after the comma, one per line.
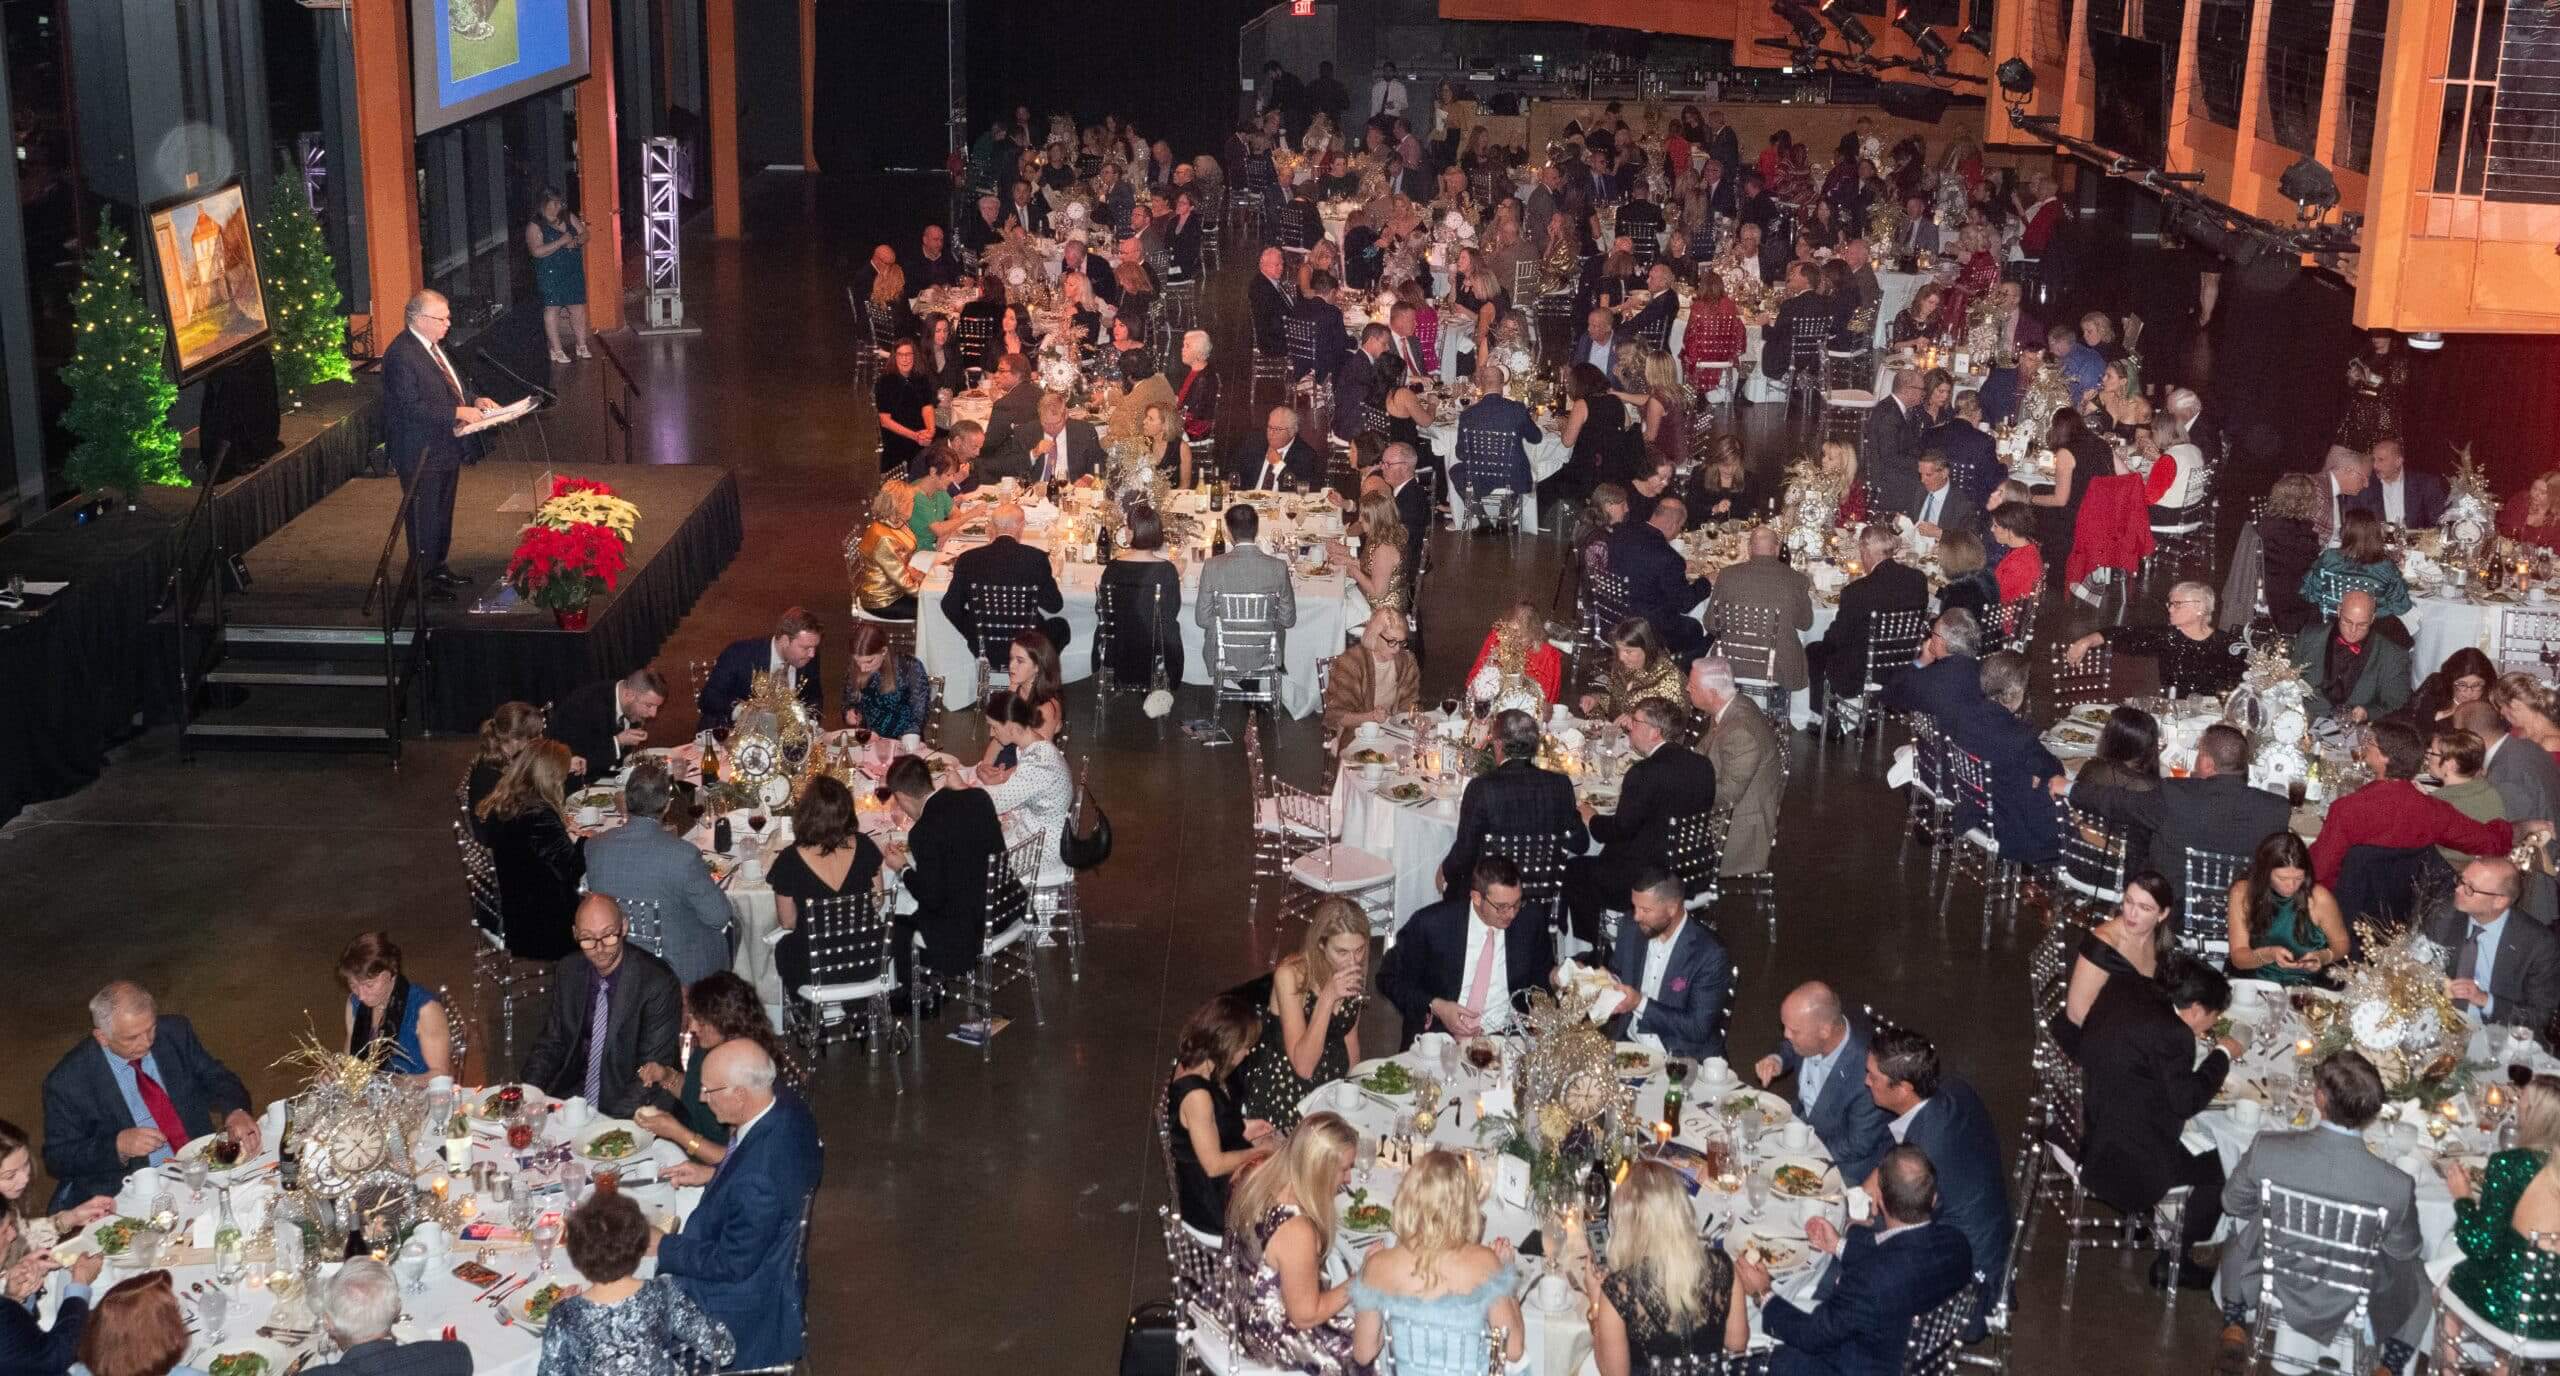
[1511, 1180]
[1902, 771]
[1497, 1102]
[1604, 1007]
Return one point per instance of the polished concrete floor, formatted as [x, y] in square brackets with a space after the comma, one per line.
[997, 1217]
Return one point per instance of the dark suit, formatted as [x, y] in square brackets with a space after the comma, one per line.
[1946, 690]
[83, 1109]
[1333, 340]
[923, 272]
[2143, 1084]
[740, 1256]
[2524, 974]
[1840, 657]
[1299, 463]
[644, 1019]
[1654, 316]
[1957, 508]
[28, 1348]
[1974, 459]
[1007, 561]
[2023, 817]
[1355, 389]
[1669, 784]
[1013, 426]
[1498, 415]
[953, 839]
[1659, 587]
[1853, 1128]
[1516, 798]
[1084, 451]
[2001, 393]
[2381, 686]
[1272, 302]
[586, 721]
[1860, 1330]
[2422, 497]
[1890, 458]
[732, 678]
[1429, 958]
[1956, 1131]
[1688, 1014]
[2528, 783]
[2222, 813]
[389, 1357]
[417, 436]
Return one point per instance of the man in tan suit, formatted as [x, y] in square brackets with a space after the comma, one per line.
[1375, 680]
[1744, 750]
[1764, 580]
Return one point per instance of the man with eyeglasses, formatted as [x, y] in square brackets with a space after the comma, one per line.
[423, 399]
[2393, 814]
[614, 1008]
[2499, 968]
[739, 1255]
[1458, 962]
[1380, 681]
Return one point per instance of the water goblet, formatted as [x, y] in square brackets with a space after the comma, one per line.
[411, 1267]
[1756, 1187]
[194, 1171]
[521, 1209]
[213, 1313]
[546, 1235]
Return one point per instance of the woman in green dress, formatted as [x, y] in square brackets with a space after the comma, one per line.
[2507, 1223]
[558, 241]
[2284, 928]
[717, 1008]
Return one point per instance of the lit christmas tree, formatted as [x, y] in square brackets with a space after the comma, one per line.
[302, 295]
[119, 378]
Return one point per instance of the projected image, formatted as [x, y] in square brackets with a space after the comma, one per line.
[209, 277]
[484, 36]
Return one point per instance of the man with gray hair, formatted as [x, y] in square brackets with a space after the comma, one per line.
[659, 875]
[1945, 683]
[603, 723]
[2022, 770]
[423, 399]
[359, 1305]
[136, 1091]
[1285, 458]
[1750, 774]
[1888, 585]
[1665, 785]
[739, 1256]
[1515, 798]
[1004, 562]
[2345, 475]
[1890, 456]
[1494, 436]
[2202, 430]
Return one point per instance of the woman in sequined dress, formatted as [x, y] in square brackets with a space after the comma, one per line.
[1639, 668]
[2498, 1217]
[1311, 1023]
[621, 1325]
[1289, 1314]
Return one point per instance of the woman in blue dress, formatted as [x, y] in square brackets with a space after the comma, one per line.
[1438, 1290]
[558, 240]
[383, 1006]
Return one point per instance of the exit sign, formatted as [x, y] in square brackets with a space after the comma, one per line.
[1302, 9]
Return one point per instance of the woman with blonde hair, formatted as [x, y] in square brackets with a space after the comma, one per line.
[884, 582]
[2531, 707]
[1970, 582]
[1378, 569]
[2506, 1220]
[1311, 1013]
[1320, 256]
[1665, 1294]
[1666, 404]
[1279, 1235]
[538, 859]
[1439, 1288]
[503, 737]
[1839, 460]
[2533, 516]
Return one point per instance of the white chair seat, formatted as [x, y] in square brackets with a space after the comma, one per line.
[1217, 1352]
[2086, 889]
[1764, 388]
[1849, 398]
[860, 615]
[1341, 869]
[886, 982]
[993, 944]
[2180, 528]
[2513, 1345]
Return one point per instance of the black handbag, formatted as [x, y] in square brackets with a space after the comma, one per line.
[1152, 1346]
[1086, 848]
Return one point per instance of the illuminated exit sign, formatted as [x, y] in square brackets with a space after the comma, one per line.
[1302, 9]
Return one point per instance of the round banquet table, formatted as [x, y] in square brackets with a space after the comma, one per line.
[2448, 621]
[1558, 1341]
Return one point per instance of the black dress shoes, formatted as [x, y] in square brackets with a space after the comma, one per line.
[2190, 1276]
[448, 577]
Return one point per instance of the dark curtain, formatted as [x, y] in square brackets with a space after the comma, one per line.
[2499, 394]
[881, 98]
[1170, 65]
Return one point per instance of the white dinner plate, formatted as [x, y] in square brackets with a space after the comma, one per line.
[484, 1105]
[200, 1145]
[275, 1357]
[1773, 1111]
[519, 1305]
[1829, 1175]
[1637, 1062]
[1780, 1253]
[584, 1140]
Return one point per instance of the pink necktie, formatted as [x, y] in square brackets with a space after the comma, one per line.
[1484, 974]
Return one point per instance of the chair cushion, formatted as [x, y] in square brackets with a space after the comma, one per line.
[1340, 869]
[1849, 396]
[2494, 1336]
[886, 982]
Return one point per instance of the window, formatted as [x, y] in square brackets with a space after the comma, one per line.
[2297, 71]
[2524, 135]
[2470, 93]
[2222, 59]
[2362, 90]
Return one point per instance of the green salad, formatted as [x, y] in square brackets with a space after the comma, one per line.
[1365, 1217]
[612, 1146]
[238, 1364]
[116, 1234]
[1390, 1078]
[544, 1301]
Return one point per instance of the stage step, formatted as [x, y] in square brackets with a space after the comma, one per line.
[284, 686]
[281, 637]
[219, 732]
[299, 673]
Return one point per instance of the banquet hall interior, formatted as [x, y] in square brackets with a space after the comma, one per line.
[2126, 396]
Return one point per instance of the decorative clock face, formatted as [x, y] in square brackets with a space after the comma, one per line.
[776, 791]
[347, 1148]
[754, 757]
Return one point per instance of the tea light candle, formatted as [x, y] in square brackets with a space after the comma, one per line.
[2452, 1110]
[2497, 1095]
[470, 1209]
[442, 1185]
[1662, 1132]
[2302, 1047]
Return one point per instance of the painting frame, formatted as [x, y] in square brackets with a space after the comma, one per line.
[204, 265]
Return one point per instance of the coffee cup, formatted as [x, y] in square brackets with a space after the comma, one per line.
[1859, 1205]
[2536, 595]
[1718, 1071]
[590, 815]
[911, 742]
[1796, 1135]
[2247, 1112]
[1552, 1292]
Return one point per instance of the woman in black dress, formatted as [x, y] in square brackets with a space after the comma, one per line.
[1602, 432]
[538, 859]
[1311, 1023]
[1206, 1132]
[939, 358]
[828, 858]
[2079, 459]
[903, 396]
[2288, 545]
[1146, 607]
[2129, 945]
[1404, 408]
[2194, 656]
[503, 737]
[1128, 351]
[1182, 239]
[1665, 1295]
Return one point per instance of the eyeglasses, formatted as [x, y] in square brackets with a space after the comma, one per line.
[709, 1090]
[1392, 642]
[2468, 887]
[1505, 908]
[600, 943]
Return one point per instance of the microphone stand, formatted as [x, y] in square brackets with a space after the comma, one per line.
[550, 398]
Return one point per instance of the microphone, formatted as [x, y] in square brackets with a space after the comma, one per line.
[482, 354]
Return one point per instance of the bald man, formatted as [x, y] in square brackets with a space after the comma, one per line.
[1827, 1053]
[1376, 681]
[2353, 673]
[739, 1255]
[613, 1009]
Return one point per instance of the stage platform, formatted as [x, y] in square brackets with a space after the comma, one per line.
[314, 572]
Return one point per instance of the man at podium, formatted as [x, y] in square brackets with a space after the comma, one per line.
[423, 400]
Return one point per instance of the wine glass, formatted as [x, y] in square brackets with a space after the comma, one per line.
[756, 821]
[213, 1313]
[193, 1172]
[411, 1267]
[546, 1235]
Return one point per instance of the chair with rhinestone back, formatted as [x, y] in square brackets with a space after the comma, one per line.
[1928, 1349]
[1487, 472]
[1178, 307]
[2204, 899]
[2158, 1230]
[493, 967]
[2190, 529]
[2091, 680]
[643, 925]
[1244, 645]
[1212, 237]
[1932, 802]
[2310, 1243]
[1197, 1266]
[2013, 624]
[1605, 598]
[2093, 857]
[972, 336]
[2524, 633]
[1993, 1351]
[1296, 227]
[1893, 641]
[1000, 611]
[1747, 636]
[850, 972]
[1540, 858]
[1977, 849]
[1298, 360]
[458, 1035]
[1004, 950]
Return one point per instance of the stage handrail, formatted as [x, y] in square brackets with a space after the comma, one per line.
[406, 593]
[185, 587]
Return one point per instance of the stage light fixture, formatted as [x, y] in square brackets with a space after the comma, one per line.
[2017, 79]
[2310, 187]
[2426, 341]
[1807, 27]
[1853, 30]
[1977, 29]
[1933, 49]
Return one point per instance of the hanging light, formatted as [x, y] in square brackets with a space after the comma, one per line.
[1853, 30]
[1933, 49]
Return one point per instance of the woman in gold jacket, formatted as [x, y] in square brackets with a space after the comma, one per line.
[884, 583]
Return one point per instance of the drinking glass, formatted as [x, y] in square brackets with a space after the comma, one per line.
[143, 1249]
[1756, 1188]
[546, 1235]
[194, 1170]
[521, 1209]
[230, 1262]
[1449, 1060]
[213, 1314]
[411, 1267]
[288, 1260]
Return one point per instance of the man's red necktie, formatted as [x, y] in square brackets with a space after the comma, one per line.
[164, 1110]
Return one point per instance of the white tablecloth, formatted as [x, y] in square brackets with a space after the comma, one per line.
[2442, 624]
[1416, 837]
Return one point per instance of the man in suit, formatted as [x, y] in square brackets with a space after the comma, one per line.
[930, 265]
[644, 862]
[140, 1088]
[359, 1305]
[1659, 587]
[1378, 680]
[1273, 298]
[2022, 770]
[603, 722]
[1396, 464]
[1458, 962]
[2204, 430]
[980, 229]
[1513, 429]
[1355, 383]
[2329, 1160]
[1067, 449]
[1971, 455]
[1890, 457]
[2344, 477]
[1540, 207]
[951, 835]
[2006, 388]
[2143, 1082]
[1854, 254]
[1764, 580]
[1666, 784]
[1004, 561]
[1514, 798]
[1285, 460]
[1013, 424]
[2352, 672]
[1243, 570]
[1075, 261]
[1652, 321]
[423, 399]
[790, 654]
[741, 1254]
[1598, 345]
[1744, 749]
[1941, 1115]
[1401, 322]
[1941, 505]
[2212, 809]
[1798, 302]
[1945, 682]
[613, 1009]
[1322, 310]
[2528, 784]
[1827, 1053]
[1839, 659]
[1890, 1274]
[2500, 967]
[1675, 985]
[1723, 144]
[1919, 232]
[2411, 498]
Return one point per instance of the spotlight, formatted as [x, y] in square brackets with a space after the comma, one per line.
[1808, 28]
[2426, 341]
[1977, 29]
[2017, 79]
[2310, 187]
[1933, 49]
[1853, 30]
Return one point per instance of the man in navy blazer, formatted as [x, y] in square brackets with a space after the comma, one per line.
[2023, 818]
[1659, 587]
[2398, 494]
[1511, 431]
[742, 1255]
[1441, 971]
[791, 651]
[1675, 984]
[1945, 682]
[1514, 798]
[1355, 383]
[1888, 1275]
[1941, 1115]
[1827, 1053]
[141, 1087]
[423, 399]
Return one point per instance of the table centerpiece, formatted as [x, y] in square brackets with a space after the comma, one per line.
[2395, 1012]
[1573, 1110]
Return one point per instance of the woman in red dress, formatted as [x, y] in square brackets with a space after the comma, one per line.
[2533, 515]
[1517, 648]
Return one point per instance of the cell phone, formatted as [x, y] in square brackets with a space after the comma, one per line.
[1006, 757]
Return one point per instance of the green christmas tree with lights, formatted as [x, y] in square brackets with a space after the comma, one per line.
[302, 295]
[119, 378]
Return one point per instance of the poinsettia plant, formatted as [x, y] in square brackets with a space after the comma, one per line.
[575, 547]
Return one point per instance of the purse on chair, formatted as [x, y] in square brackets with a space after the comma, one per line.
[1083, 848]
